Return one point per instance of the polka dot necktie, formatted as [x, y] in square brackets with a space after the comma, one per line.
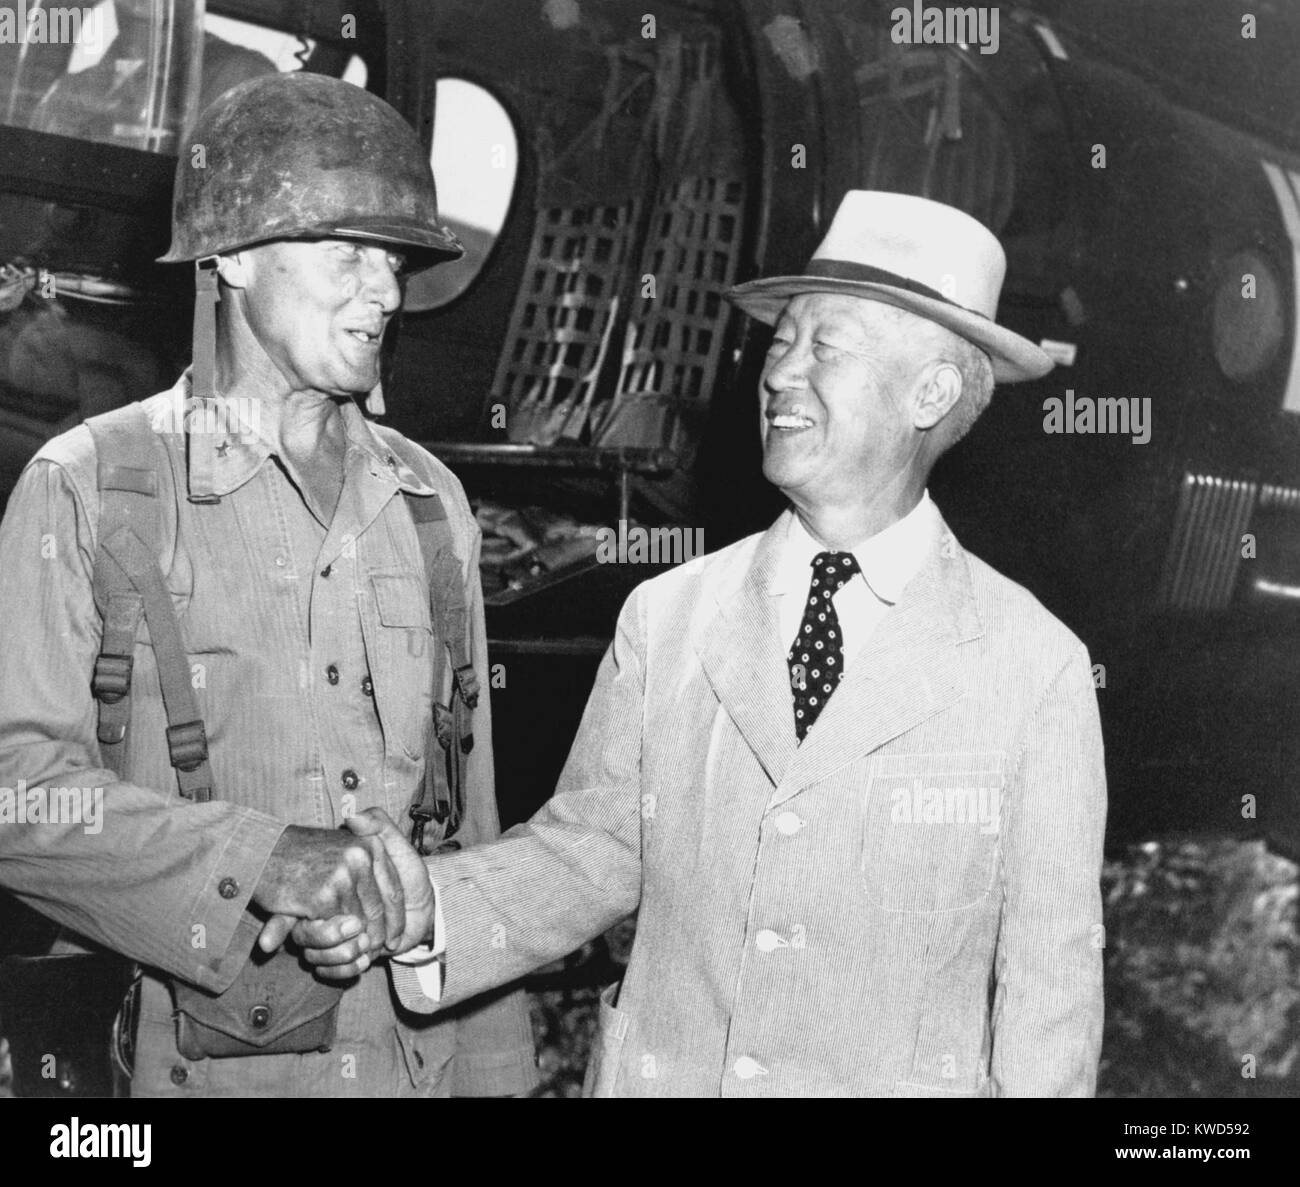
[817, 657]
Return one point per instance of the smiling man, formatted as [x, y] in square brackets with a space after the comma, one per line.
[850, 776]
[216, 606]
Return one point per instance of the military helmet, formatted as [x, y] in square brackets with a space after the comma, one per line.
[304, 156]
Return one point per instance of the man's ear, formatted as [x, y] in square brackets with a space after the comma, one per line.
[940, 390]
[234, 269]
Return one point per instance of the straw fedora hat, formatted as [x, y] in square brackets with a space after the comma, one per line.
[922, 256]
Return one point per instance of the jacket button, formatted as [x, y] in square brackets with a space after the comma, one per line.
[788, 823]
[332, 673]
[350, 780]
[327, 570]
[367, 686]
[747, 1068]
[259, 1017]
[227, 888]
[179, 1075]
[769, 941]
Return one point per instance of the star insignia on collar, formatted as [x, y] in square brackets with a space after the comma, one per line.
[223, 449]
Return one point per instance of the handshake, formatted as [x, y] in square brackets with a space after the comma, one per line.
[346, 898]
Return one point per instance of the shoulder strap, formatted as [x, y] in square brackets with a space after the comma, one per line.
[441, 798]
[127, 583]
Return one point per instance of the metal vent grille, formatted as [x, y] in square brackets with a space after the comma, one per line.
[563, 320]
[1205, 547]
[1279, 498]
[674, 334]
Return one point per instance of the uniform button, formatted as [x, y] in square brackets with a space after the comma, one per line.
[281, 560]
[180, 1075]
[227, 888]
[769, 941]
[367, 686]
[259, 1017]
[332, 673]
[327, 570]
[350, 779]
[788, 823]
[747, 1068]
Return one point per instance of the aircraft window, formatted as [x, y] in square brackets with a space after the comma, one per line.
[226, 63]
[929, 128]
[137, 72]
[1248, 323]
[475, 161]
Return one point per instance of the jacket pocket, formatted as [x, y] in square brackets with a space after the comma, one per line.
[428, 1053]
[932, 827]
[401, 654]
[607, 1050]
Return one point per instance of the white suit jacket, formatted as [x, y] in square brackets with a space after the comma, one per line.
[908, 903]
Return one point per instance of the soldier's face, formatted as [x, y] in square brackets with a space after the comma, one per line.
[835, 397]
[319, 309]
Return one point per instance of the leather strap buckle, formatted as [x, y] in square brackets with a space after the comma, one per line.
[112, 677]
[187, 744]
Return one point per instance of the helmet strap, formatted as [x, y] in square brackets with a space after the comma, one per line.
[202, 447]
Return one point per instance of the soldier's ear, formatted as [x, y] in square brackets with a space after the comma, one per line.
[940, 389]
[233, 268]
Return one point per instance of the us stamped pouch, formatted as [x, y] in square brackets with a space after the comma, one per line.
[274, 1007]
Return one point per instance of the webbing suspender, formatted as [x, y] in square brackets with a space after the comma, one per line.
[129, 583]
[441, 797]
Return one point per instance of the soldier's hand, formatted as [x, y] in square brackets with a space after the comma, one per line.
[335, 945]
[326, 874]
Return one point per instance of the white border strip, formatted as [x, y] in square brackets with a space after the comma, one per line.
[1290, 207]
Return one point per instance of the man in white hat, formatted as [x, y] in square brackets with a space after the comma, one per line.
[851, 776]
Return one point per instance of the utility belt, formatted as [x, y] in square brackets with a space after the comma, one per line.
[276, 1005]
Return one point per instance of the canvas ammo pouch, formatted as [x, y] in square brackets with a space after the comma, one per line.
[275, 1007]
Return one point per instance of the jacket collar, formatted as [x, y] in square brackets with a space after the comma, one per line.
[905, 673]
[226, 442]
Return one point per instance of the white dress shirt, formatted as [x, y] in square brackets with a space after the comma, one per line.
[887, 561]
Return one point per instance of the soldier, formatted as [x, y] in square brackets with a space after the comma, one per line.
[231, 616]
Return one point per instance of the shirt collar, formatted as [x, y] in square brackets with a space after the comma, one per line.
[227, 443]
[888, 560]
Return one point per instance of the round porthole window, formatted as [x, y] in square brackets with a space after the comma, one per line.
[475, 161]
[1248, 322]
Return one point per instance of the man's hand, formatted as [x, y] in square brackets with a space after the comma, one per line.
[325, 874]
[334, 945]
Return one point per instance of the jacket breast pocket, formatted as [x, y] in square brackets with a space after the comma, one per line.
[401, 660]
[607, 1050]
[932, 827]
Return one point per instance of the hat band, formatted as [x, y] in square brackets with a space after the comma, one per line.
[824, 269]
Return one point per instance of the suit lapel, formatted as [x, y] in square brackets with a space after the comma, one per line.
[744, 660]
[905, 673]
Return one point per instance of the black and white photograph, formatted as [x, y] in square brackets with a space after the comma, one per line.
[680, 549]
